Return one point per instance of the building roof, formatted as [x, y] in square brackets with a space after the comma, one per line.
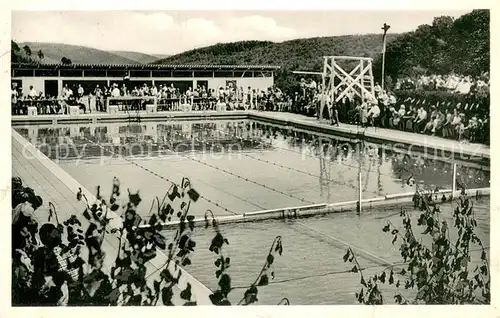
[144, 66]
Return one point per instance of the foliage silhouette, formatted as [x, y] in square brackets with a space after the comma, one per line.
[71, 265]
[435, 273]
[461, 46]
[65, 60]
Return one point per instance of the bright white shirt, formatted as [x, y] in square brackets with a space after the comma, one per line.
[374, 111]
[463, 87]
[115, 92]
[451, 83]
[392, 99]
[14, 96]
[448, 117]
[422, 115]
[32, 93]
[66, 93]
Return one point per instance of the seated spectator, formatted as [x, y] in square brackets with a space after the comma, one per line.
[446, 127]
[409, 118]
[460, 126]
[398, 117]
[420, 120]
[471, 129]
[32, 93]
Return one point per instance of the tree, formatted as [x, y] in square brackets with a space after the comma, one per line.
[437, 273]
[65, 60]
[15, 52]
[27, 50]
[461, 46]
[40, 55]
[39, 279]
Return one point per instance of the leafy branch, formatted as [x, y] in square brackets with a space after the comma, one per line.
[434, 274]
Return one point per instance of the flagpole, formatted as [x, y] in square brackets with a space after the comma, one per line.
[385, 27]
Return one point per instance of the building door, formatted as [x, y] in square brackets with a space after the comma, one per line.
[51, 88]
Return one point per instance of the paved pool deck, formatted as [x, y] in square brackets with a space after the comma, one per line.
[426, 143]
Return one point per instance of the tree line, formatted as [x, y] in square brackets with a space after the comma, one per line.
[446, 46]
[26, 55]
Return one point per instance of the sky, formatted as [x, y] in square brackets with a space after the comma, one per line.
[171, 32]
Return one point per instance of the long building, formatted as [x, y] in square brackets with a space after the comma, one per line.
[51, 78]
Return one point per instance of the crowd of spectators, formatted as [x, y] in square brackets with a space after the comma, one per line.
[45, 103]
[229, 97]
[168, 97]
[451, 83]
[448, 106]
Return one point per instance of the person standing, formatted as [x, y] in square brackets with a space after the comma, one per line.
[374, 114]
[98, 98]
[14, 100]
[80, 91]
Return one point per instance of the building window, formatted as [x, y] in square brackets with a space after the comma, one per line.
[203, 74]
[18, 73]
[263, 74]
[162, 73]
[182, 74]
[223, 74]
[243, 74]
[117, 73]
[94, 73]
[71, 73]
[46, 73]
[140, 73]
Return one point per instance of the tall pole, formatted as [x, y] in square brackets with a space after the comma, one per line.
[323, 88]
[360, 183]
[454, 180]
[385, 27]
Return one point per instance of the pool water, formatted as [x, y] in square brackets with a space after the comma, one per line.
[311, 270]
[239, 166]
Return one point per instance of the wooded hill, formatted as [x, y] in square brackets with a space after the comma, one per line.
[299, 54]
[447, 45]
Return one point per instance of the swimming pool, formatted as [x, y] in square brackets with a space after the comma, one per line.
[239, 165]
[244, 165]
[311, 270]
